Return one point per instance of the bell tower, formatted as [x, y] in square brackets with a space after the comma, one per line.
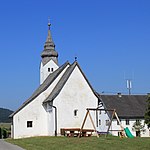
[49, 62]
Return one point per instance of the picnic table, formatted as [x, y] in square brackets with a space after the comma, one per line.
[76, 132]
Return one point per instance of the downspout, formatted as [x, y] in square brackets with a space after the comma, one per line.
[55, 118]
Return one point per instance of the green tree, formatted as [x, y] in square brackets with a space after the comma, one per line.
[147, 113]
[138, 127]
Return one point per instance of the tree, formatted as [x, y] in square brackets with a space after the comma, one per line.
[147, 113]
[138, 127]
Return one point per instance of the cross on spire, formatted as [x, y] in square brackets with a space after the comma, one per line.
[49, 24]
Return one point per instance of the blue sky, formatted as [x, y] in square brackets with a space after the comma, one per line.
[111, 39]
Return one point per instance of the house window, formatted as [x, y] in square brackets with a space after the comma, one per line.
[99, 122]
[75, 112]
[52, 69]
[127, 122]
[107, 122]
[29, 124]
[48, 69]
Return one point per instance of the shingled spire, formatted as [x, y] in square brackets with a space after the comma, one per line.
[49, 49]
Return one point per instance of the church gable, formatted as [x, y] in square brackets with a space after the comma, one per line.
[76, 84]
[73, 69]
[75, 87]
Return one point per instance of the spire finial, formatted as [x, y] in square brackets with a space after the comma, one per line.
[49, 24]
[75, 58]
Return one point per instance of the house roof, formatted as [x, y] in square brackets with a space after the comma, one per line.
[43, 86]
[127, 106]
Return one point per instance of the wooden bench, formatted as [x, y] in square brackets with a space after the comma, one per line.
[70, 132]
[75, 132]
[86, 132]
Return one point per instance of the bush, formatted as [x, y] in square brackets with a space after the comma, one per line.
[5, 134]
[0, 133]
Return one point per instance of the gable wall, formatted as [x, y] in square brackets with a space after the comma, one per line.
[35, 112]
[76, 94]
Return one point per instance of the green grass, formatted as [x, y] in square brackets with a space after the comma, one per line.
[86, 143]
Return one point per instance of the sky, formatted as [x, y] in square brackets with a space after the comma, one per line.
[110, 38]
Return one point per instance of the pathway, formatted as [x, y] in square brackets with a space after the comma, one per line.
[7, 146]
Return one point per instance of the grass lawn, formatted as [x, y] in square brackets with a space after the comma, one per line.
[86, 143]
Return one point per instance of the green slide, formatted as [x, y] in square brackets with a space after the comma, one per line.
[128, 133]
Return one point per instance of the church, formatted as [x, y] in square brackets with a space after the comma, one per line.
[62, 99]
[59, 102]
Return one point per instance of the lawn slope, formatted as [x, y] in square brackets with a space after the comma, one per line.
[90, 143]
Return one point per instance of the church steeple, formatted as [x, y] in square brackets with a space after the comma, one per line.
[49, 49]
[49, 56]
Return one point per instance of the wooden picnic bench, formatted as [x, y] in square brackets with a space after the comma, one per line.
[75, 132]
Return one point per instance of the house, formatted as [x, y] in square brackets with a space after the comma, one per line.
[129, 108]
[59, 102]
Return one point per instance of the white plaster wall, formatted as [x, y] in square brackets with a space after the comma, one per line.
[44, 70]
[103, 117]
[132, 121]
[76, 94]
[35, 112]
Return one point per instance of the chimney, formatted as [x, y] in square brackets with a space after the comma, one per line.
[119, 94]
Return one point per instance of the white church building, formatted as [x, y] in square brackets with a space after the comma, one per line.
[60, 101]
